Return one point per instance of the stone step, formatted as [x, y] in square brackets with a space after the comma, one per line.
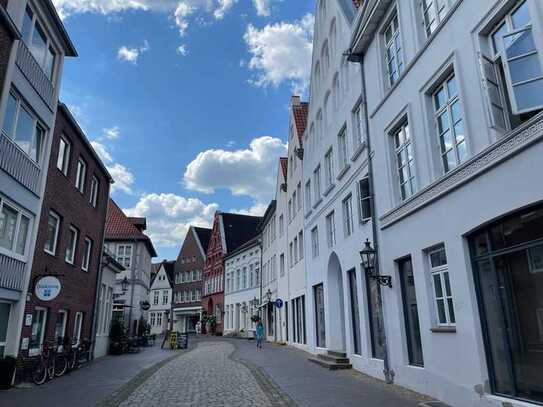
[337, 353]
[332, 358]
[330, 365]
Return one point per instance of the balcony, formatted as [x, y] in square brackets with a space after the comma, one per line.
[19, 165]
[12, 273]
[35, 75]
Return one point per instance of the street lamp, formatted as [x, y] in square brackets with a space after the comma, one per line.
[369, 261]
[124, 284]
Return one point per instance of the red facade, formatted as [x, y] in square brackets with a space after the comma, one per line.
[213, 295]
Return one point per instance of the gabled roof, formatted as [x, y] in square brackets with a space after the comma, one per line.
[119, 227]
[204, 236]
[249, 244]
[169, 268]
[238, 229]
[284, 166]
[300, 113]
[270, 210]
[65, 38]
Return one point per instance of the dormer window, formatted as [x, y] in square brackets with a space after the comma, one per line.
[37, 42]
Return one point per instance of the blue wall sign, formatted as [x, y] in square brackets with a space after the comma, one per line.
[279, 303]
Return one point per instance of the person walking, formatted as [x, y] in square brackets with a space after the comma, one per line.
[259, 334]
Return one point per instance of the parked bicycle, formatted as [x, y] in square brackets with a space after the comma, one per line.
[50, 364]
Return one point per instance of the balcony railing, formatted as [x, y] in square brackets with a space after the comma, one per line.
[12, 273]
[19, 165]
[35, 75]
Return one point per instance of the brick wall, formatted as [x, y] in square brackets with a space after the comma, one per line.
[78, 286]
[189, 250]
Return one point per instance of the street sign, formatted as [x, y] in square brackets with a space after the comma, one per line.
[145, 305]
[47, 288]
[279, 303]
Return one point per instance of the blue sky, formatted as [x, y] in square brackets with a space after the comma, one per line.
[186, 101]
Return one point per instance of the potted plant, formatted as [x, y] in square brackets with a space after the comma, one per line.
[7, 370]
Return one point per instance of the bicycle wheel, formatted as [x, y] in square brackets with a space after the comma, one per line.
[39, 375]
[61, 365]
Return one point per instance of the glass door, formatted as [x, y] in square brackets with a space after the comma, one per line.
[355, 313]
[320, 317]
[508, 264]
[4, 319]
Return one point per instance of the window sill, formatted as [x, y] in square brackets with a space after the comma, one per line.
[358, 151]
[443, 329]
[343, 171]
[317, 203]
[329, 189]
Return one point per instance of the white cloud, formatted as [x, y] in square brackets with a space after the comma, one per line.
[182, 50]
[169, 216]
[258, 209]
[111, 133]
[224, 6]
[250, 172]
[281, 52]
[132, 54]
[262, 7]
[123, 177]
[181, 14]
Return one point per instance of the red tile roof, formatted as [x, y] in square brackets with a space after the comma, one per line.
[284, 166]
[300, 118]
[119, 227]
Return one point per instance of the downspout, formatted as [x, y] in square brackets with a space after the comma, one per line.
[132, 284]
[387, 371]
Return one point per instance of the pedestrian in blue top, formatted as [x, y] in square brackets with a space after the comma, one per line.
[259, 334]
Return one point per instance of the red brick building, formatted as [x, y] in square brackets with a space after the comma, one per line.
[69, 244]
[188, 280]
[229, 232]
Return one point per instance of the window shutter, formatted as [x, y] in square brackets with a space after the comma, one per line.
[491, 87]
[523, 70]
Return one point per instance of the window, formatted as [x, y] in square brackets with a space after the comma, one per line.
[348, 224]
[329, 169]
[14, 229]
[294, 203]
[282, 265]
[364, 200]
[60, 325]
[72, 245]
[301, 245]
[336, 92]
[124, 255]
[320, 129]
[156, 295]
[93, 198]
[81, 174]
[330, 229]
[244, 278]
[433, 12]
[393, 50]
[315, 242]
[63, 159]
[37, 42]
[53, 226]
[405, 161]
[23, 128]
[291, 255]
[78, 323]
[513, 76]
[87, 254]
[295, 247]
[165, 297]
[342, 148]
[449, 124]
[442, 287]
[39, 318]
[358, 120]
[152, 317]
[281, 226]
[299, 196]
[289, 209]
[308, 195]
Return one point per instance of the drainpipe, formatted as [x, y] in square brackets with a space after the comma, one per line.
[132, 284]
[387, 371]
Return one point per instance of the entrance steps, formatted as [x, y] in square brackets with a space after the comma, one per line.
[332, 360]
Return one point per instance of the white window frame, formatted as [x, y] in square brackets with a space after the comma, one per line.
[361, 215]
[342, 149]
[38, 349]
[156, 297]
[441, 271]
[13, 251]
[315, 242]
[95, 187]
[57, 231]
[432, 6]
[348, 222]
[122, 259]
[301, 245]
[392, 46]
[317, 184]
[329, 168]
[359, 136]
[81, 175]
[48, 45]
[73, 242]
[63, 160]
[85, 263]
[37, 126]
[63, 333]
[404, 149]
[78, 324]
[331, 229]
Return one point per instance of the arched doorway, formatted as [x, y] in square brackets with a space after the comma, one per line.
[336, 314]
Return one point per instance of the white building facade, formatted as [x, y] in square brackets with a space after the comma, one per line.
[160, 298]
[337, 207]
[454, 93]
[242, 289]
[28, 105]
[268, 311]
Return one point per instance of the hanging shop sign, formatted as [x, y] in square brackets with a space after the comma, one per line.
[47, 288]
